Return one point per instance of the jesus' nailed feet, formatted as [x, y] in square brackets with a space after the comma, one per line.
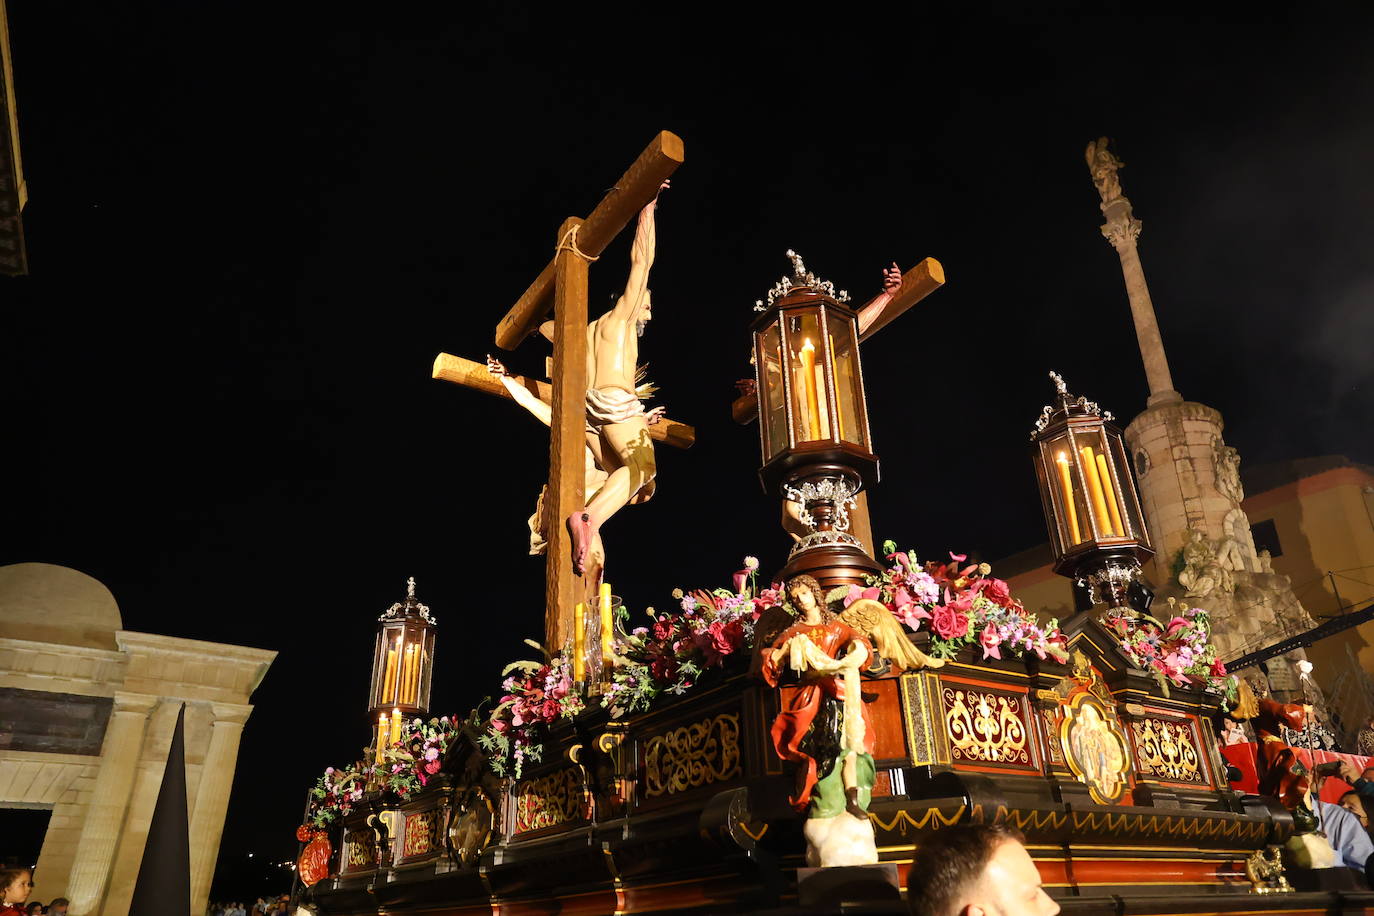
[580, 528]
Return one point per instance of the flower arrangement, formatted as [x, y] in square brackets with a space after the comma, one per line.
[1178, 652]
[672, 653]
[536, 695]
[407, 765]
[959, 605]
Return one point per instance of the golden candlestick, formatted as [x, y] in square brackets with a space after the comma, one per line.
[607, 645]
[382, 731]
[579, 643]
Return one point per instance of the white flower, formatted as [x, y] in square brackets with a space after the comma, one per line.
[751, 562]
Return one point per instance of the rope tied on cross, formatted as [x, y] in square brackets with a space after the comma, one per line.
[569, 243]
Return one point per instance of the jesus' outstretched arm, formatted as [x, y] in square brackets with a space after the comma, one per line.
[892, 283]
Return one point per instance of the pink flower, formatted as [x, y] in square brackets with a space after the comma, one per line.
[855, 593]
[958, 557]
[432, 754]
[499, 725]
[741, 578]
[1175, 625]
[949, 623]
[997, 591]
[767, 598]
[432, 767]
[991, 641]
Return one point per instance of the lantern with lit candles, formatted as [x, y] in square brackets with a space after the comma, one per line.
[402, 667]
[813, 419]
[1097, 535]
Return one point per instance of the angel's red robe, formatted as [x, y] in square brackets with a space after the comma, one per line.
[793, 723]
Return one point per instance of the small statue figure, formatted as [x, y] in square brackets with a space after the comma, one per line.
[1201, 572]
[1283, 775]
[1226, 464]
[825, 728]
[1103, 166]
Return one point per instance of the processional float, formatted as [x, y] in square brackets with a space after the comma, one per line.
[686, 799]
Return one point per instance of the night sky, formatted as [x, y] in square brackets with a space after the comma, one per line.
[249, 236]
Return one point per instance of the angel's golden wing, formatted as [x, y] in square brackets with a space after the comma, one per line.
[874, 620]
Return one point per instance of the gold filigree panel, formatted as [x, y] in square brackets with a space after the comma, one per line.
[549, 801]
[419, 834]
[692, 756]
[360, 850]
[916, 703]
[1165, 749]
[985, 726]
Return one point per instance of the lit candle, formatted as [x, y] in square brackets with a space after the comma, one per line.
[398, 683]
[395, 727]
[1110, 493]
[1066, 486]
[808, 361]
[579, 643]
[1101, 518]
[414, 680]
[382, 729]
[607, 646]
[389, 679]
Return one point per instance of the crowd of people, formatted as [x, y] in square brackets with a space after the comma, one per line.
[16, 884]
[265, 906]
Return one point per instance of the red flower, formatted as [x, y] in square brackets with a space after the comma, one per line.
[549, 710]
[663, 668]
[949, 623]
[997, 591]
[1218, 668]
[663, 629]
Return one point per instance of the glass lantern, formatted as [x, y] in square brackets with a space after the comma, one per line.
[1097, 534]
[403, 659]
[813, 421]
[809, 380]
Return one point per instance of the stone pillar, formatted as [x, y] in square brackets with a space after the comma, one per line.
[119, 756]
[212, 799]
[1122, 229]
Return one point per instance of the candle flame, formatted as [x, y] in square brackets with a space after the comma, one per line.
[1062, 459]
[809, 345]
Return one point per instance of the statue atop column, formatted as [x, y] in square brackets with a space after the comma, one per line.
[1103, 166]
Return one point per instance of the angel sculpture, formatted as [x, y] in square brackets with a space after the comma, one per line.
[825, 728]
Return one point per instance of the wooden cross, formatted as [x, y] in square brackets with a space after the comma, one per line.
[917, 283]
[562, 286]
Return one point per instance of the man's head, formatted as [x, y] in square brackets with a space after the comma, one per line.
[1368, 774]
[1352, 802]
[58, 907]
[646, 313]
[976, 870]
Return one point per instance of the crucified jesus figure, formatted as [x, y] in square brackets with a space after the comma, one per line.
[614, 410]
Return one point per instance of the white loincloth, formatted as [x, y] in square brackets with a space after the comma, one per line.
[611, 405]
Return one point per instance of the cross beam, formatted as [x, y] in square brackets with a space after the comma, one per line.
[631, 193]
[474, 375]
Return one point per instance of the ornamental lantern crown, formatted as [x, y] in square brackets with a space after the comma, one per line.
[403, 660]
[813, 417]
[1097, 534]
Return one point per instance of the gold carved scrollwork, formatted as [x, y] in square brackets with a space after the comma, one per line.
[985, 727]
[1165, 749]
[548, 801]
[692, 756]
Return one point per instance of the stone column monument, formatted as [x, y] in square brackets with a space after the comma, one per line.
[1190, 478]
